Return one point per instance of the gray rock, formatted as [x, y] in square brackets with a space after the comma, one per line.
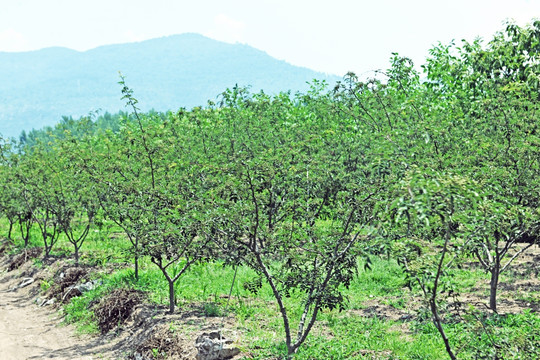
[44, 301]
[26, 282]
[49, 302]
[406, 317]
[40, 301]
[70, 292]
[79, 289]
[138, 356]
[213, 346]
[87, 286]
[140, 315]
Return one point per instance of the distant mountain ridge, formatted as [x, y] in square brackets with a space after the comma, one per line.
[38, 87]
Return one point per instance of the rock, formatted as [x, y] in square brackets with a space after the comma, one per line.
[90, 285]
[40, 301]
[213, 346]
[49, 302]
[140, 315]
[45, 301]
[78, 290]
[26, 282]
[138, 356]
[69, 293]
[406, 317]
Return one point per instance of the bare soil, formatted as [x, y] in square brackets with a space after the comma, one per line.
[28, 331]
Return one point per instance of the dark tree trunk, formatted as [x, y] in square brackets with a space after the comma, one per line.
[136, 266]
[493, 285]
[433, 300]
[171, 296]
[25, 230]
[10, 229]
[48, 249]
[438, 324]
[76, 255]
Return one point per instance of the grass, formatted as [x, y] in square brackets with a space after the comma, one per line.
[385, 279]
[350, 334]
[77, 311]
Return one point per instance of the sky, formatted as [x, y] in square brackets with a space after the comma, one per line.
[329, 36]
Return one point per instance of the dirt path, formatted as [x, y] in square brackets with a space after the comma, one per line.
[30, 332]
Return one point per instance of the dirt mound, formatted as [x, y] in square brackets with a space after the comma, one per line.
[116, 308]
[152, 333]
[5, 246]
[64, 279]
[162, 343]
[24, 256]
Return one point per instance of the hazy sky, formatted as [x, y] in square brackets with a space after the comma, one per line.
[333, 36]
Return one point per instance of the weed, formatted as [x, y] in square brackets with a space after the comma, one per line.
[211, 310]
[45, 285]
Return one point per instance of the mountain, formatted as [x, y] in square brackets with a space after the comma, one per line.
[38, 87]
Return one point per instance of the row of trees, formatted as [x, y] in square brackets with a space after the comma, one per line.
[434, 171]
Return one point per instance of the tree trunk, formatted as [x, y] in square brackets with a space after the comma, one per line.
[10, 229]
[46, 245]
[136, 266]
[76, 255]
[25, 231]
[171, 296]
[290, 352]
[438, 324]
[433, 300]
[277, 295]
[493, 285]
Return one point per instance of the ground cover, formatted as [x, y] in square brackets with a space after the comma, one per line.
[383, 318]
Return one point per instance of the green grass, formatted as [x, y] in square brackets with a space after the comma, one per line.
[77, 312]
[385, 279]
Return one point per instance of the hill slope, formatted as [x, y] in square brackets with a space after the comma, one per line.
[38, 87]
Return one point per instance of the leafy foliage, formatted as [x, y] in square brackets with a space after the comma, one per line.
[434, 170]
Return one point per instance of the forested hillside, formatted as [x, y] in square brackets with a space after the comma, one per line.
[37, 88]
[415, 192]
